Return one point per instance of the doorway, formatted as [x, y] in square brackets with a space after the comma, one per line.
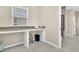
[62, 26]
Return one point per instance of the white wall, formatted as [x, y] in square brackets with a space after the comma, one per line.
[49, 17]
[33, 15]
[5, 16]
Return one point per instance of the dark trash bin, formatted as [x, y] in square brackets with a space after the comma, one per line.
[37, 37]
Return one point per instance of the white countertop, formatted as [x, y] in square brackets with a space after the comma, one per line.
[15, 31]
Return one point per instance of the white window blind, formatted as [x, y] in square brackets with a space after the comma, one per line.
[20, 16]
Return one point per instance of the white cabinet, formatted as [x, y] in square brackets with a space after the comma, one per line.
[19, 16]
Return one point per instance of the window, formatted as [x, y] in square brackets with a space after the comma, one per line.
[19, 16]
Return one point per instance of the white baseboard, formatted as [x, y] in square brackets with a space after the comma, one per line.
[54, 45]
[14, 45]
[57, 46]
[69, 34]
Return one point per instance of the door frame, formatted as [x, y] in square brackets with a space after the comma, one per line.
[76, 25]
[60, 37]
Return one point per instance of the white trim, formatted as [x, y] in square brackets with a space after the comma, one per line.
[76, 26]
[26, 39]
[12, 45]
[60, 38]
[27, 15]
[66, 22]
[74, 23]
[21, 7]
[54, 45]
[7, 32]
[13, 16]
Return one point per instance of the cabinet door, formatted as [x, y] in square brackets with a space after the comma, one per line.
[51, 18]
